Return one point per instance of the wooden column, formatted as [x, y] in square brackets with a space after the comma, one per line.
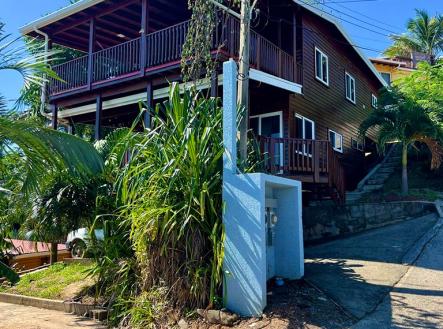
[98, 117]
[143, 32]
[54, 123]
[150, 105]
[214, 83]
[91, 49]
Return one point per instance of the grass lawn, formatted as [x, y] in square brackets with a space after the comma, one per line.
[56, 282]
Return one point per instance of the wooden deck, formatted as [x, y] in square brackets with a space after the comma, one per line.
[163, 49]
[310, 161]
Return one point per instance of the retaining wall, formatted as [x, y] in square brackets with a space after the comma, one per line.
[325, 221]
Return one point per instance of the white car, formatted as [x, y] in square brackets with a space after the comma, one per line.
[78, 241]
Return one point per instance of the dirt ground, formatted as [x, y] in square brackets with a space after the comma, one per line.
[297, 305]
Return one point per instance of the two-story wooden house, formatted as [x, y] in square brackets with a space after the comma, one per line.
[310, 89]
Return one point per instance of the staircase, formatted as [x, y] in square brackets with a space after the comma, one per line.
[377, 177]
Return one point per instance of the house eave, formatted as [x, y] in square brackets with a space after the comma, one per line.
[58, 15]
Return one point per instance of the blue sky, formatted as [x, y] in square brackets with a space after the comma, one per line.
[386, 16]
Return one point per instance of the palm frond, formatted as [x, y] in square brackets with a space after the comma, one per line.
[47, 151]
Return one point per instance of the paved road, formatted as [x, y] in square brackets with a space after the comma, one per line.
[387, 278]
[23, 317]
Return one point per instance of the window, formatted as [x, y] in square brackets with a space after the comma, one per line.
[321, 67]
[357, 144]
[386, 77]
[350, 87]
[270, 125]
[374, 101]
[336, 141]
[305, 129]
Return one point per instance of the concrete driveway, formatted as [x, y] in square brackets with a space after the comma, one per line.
[23, 317]
[390, 277]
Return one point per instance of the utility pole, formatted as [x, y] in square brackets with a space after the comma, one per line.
[243, 76]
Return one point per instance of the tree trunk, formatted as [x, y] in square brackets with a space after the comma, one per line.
[54, 253]
[404, 174]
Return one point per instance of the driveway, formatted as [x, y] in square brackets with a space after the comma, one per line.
[390, 277]
[24, 317]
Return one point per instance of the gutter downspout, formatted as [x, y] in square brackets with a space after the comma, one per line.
[44, 86]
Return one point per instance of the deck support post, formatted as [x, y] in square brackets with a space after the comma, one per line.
[214, 83]
[91, 49]
[150, 105]
[98, 117]
[54, 123]
[143, 33]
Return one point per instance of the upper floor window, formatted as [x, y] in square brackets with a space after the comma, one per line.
[350, 87]
[386, 77]
[357, 144]
[374, 101]
[336, 140]
[321, 66]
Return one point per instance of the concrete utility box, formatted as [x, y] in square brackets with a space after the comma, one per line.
[262, 219]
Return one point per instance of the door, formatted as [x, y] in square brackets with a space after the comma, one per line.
[270, 125]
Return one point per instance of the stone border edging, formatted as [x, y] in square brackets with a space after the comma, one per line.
[49, 304]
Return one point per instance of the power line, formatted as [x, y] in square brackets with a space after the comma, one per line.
[366, 16]
[360, 20]
[347, 21]
[269, 18]
[349, 1]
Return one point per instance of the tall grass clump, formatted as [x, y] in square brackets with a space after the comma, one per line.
[171, 192]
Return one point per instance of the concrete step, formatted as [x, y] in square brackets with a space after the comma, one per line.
[374, 181]
[370, 188]
[381, 176]
[387, 170]
[391, 165]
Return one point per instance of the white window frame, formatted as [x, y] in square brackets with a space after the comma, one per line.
[310, 121]
[351, 96]
[360, 144]
[323, 55]
[271, 114]
[304, 119]
[374, 101]
[341, 140]
[390, 77]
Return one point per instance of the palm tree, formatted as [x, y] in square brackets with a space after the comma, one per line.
[424, 34]
[398, 119]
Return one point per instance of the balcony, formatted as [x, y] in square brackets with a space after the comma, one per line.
[310, 161]
[162, 50]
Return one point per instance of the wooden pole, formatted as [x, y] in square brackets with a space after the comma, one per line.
[54, 123]
[143, 32]
[243, 79]
[150, 105]
[98, 117]
[91, 49]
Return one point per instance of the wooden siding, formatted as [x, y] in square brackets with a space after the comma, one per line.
[327, 106]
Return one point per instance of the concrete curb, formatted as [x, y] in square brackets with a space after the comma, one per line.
[56, 305]
[49, 304]
[415, 251]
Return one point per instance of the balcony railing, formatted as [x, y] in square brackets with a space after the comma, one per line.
[312, 161]
[164, 48]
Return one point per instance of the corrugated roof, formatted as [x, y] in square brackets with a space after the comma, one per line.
[24, 247]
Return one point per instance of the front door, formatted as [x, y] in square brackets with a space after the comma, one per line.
[270, 125]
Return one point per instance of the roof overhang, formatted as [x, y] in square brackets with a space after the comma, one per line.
[58, 15]
[341, 29]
